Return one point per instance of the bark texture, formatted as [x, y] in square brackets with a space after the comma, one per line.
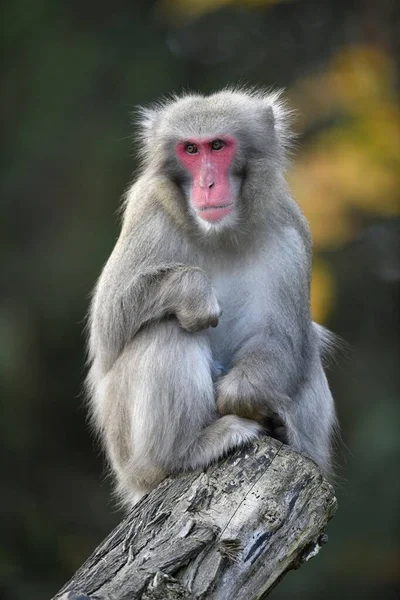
[229, 533]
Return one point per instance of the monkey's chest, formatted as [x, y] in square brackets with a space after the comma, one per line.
[244, 306]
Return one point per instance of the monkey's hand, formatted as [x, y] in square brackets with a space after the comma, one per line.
[244, 392]
[198, 306]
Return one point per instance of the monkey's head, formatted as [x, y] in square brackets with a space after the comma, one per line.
[211, 147]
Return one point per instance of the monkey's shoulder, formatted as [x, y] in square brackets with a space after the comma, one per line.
[293, 221]
[148, 195]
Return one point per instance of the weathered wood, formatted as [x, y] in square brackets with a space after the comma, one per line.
[231, 532]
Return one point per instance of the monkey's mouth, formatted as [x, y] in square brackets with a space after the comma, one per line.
[215, 213]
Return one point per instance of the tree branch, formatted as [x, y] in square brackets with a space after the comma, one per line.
[232, 531]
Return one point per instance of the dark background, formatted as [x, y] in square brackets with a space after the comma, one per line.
[73, 72]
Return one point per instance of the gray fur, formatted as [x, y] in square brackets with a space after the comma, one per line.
[160, 376]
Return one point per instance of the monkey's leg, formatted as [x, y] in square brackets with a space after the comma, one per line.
[161, 413]
[304, 420]
[310, 421]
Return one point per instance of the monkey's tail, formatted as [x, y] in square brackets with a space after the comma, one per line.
[331, 346]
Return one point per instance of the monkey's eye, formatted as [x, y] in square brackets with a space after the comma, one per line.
[191, 148]
[217, 144]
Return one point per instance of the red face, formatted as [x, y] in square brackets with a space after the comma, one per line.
[209, 161]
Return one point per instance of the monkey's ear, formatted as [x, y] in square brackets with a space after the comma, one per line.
[269, 116]
[281, 117]
[147, 119]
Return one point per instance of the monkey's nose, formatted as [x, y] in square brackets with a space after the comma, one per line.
[210, 185]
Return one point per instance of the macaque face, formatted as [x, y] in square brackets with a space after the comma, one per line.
[213, 189]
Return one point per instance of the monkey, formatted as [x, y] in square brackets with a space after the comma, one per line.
[200, 330]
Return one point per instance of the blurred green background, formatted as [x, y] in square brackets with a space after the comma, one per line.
[73, 72]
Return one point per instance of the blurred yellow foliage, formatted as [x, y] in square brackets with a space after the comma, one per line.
[322, 291]
[353, 165]
[192, 9]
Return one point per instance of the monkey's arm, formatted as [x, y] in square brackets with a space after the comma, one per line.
[125, 302]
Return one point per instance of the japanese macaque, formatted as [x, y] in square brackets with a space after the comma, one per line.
[201, 337]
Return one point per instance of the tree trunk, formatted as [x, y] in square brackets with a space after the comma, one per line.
[229, 533]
